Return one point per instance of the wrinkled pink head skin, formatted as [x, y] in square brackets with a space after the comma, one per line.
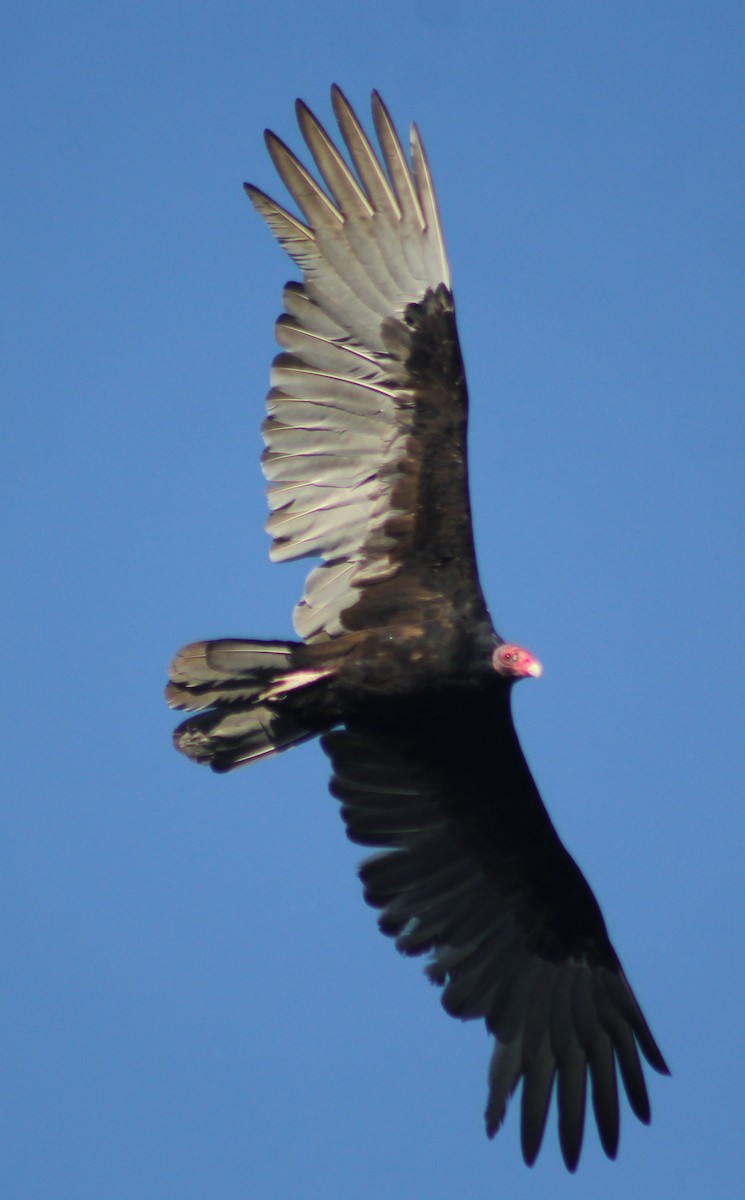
[514, 662]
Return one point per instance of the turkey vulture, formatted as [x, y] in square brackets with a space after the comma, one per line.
[398, 667]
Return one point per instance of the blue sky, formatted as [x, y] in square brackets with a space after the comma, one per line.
[196, 1001]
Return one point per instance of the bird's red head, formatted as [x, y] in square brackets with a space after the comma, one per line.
[515, 662]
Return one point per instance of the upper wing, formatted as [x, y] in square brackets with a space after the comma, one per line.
[366, 435]
[474, 873]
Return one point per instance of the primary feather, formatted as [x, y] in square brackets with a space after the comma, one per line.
[399, 667]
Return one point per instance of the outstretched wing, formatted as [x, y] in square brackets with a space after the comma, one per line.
[366, 434]
[473, 872]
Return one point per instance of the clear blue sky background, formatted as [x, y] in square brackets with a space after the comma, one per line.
[196, 1002]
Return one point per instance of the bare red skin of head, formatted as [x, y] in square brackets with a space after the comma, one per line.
[515, 662]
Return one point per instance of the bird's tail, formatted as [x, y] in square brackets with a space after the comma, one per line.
[240, 685]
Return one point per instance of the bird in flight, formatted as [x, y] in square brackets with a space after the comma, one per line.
[397, 666]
